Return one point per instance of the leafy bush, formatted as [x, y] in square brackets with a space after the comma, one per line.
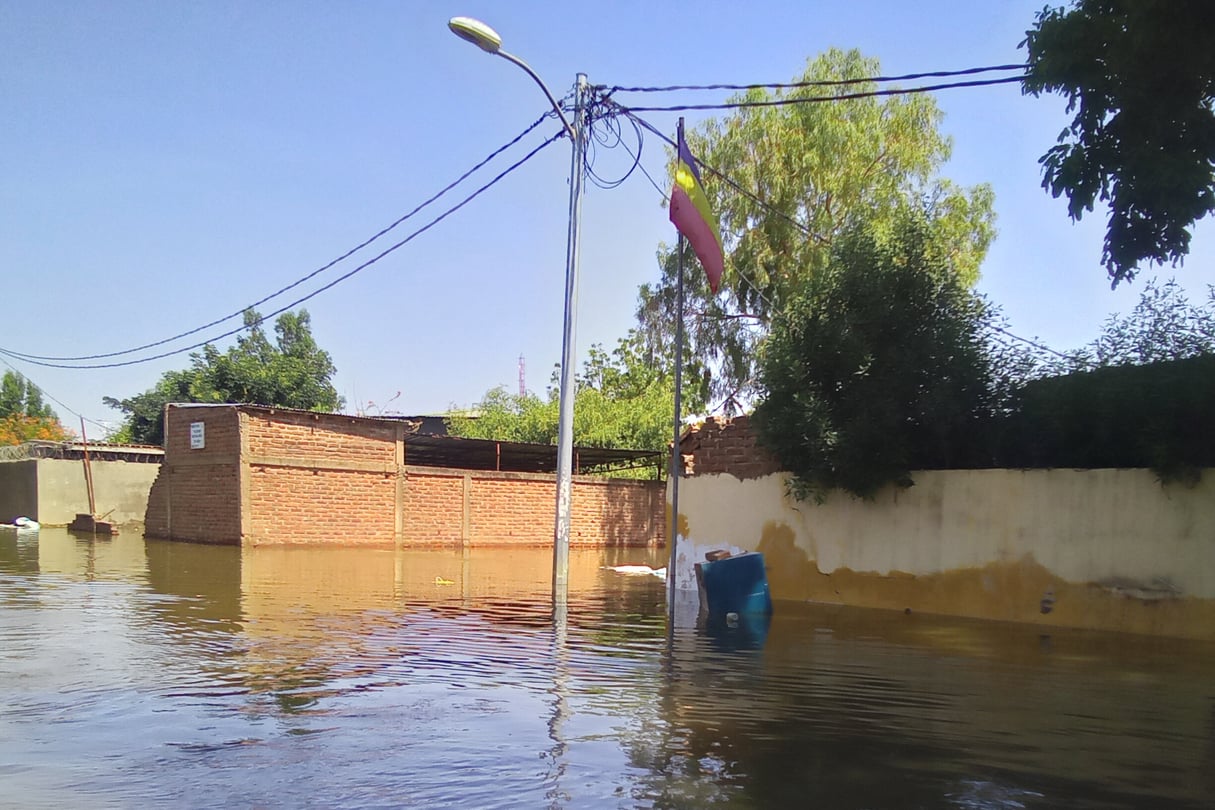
[878, 367]
[1156, 415]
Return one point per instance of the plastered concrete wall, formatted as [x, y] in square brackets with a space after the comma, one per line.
[120, 490]
[1108, 549]
[1101, 549]
[53, 491]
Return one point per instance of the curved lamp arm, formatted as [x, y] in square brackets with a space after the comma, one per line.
[487, 39]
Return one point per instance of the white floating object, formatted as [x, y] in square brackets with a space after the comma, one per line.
[637, 570]
[27, 523]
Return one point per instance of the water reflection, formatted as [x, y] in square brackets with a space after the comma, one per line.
[136, 673]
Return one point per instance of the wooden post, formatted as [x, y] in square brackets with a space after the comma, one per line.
[88, 470]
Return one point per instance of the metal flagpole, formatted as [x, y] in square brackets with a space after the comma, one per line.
[676, 456]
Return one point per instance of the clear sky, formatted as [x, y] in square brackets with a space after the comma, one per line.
[165, 164]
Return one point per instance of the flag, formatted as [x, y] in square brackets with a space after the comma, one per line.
[692, 217]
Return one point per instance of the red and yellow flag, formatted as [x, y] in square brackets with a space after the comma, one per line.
[693, 218]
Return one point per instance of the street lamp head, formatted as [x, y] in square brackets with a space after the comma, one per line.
[476, 32]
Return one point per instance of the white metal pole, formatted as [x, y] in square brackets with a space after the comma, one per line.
[565, 423]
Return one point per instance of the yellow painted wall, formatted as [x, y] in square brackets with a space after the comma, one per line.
[1108, 549]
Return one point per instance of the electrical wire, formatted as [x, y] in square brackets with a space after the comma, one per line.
[819, 83]
[776, 311]
[321, 289]
[52, 398]
[302, 279]
[783, 102]
[1028, 342]
[610, 136]
[728, 181]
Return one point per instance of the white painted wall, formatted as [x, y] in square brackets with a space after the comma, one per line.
[1082, 525]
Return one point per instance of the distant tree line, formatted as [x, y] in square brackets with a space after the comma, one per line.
[291, 372]
[24, 416]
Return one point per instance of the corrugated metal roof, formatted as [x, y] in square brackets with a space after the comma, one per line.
[488, 454]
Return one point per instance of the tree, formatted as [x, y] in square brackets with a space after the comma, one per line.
[810, 171]
[623, 400]
[293, 372]
[21, 397]
[879, 366]
[23, 414]
[1140, 76]
[1163, 326]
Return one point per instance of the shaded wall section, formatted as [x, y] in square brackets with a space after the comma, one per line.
[197, 495]
[18, 490]
[1108, 549]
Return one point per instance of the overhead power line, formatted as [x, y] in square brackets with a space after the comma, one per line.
[52, 398]
[1039, 346]
[301, 279]
[784, 102]
[750, 195]
[777, 212]
[907, 77]
[318, 290]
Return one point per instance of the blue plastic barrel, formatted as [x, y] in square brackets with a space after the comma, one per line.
[737, 584]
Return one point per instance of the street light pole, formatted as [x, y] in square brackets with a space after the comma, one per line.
[565, 421]
[488, 40]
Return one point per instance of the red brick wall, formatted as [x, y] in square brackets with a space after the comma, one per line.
[720, 445]
[434, 506]
[295, 505]
[319, 437]
[518, 509]
[319, 478]
[615, 512]
[325, 478]
[196, 496]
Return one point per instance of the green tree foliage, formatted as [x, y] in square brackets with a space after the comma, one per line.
[879, 366]
[1155, 415]
[23, 414]
[812, 171]
[20, 397]
[623, 400]
[1140, 76]
[1164, 325]
[292, 372]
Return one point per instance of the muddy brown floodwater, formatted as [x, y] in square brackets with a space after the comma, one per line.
[141, 673]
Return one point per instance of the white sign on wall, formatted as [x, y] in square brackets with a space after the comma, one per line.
[198, 435]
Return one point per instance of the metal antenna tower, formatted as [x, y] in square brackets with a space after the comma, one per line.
[522, 377]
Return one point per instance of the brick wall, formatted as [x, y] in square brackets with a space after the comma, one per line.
[434, 507]
[318, 438]
[444, 506]
[273, 476]
[720, 445]
[299, 505]
[616, 512]
[196, 495]
[318, 478]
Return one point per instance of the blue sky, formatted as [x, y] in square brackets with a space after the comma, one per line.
[165, 164]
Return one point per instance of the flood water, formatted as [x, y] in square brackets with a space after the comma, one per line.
[141, 673]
